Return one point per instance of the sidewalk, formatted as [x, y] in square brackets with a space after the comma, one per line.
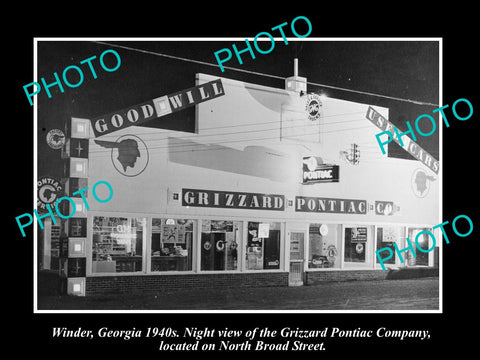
[408, 294]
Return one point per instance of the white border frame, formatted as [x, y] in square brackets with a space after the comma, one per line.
[35, 171]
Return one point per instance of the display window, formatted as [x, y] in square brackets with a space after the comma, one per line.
[356, 241]
[50, 245]
[172, 242]
[219, 245]
[263, 246]
[387, 236]
[55, 246]
[323, 246]
[424, 242]
[117, 244]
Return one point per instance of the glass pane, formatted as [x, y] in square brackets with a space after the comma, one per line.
[296, 245]
[323, 253]
[263, 246]
[387, 236]
[117, 244]
[355, 244]
[424, 242]
[218, 244]
[172, 241]
[55, 246]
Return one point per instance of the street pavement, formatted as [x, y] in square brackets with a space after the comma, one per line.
[408, 294]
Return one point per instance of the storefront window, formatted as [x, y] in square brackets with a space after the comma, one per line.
[263, 246]
[117, 244]
[423, 241]
[49, 245]
[55, 246]
[387, 236]
[356, 244]
[172, 241]
[219, 243]
[323, 251]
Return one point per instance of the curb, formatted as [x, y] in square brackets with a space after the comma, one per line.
[412, 273]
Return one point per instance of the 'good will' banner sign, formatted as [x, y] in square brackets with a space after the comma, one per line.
[152, 109]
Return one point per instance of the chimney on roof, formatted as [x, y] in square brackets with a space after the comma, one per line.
[296, 83]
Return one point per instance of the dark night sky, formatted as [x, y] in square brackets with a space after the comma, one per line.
[404, 69]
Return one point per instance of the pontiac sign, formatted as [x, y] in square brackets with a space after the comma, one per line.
[330, 205]
[155, 108]
[49, 190]
[313, 172]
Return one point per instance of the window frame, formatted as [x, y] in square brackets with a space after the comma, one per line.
[149, 270]
[89, 244]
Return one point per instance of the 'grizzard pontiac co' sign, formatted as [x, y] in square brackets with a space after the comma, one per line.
[230, 199]
[155, 108]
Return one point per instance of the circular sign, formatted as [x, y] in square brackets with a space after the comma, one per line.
[207, 245]
[55, 139]
[313, 107]
[332, 253]
[323, 230]
[359, 248]
[220, 245]
[421, 183]
[130, 155]
[49, 190]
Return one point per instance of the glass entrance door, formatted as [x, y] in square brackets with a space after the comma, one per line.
[297, 257]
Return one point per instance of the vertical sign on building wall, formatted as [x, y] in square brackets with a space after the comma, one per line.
[76, 155]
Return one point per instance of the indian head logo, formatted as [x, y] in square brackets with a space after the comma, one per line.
[129, 154]
[421, 183]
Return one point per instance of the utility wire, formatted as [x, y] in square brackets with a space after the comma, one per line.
[200, 137]
[188, 60]
[164, 135]
[263, 74]
[166, 146]
[161, 136]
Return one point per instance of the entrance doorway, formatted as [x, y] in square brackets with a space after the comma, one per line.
[297, 257]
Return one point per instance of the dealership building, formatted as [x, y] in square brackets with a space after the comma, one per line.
[276, 187]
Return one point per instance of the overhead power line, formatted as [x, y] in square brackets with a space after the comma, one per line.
[417, 102]
[280, 126]
[163, 143]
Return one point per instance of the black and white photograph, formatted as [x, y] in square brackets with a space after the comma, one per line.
[287, 182]
[275, 193]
